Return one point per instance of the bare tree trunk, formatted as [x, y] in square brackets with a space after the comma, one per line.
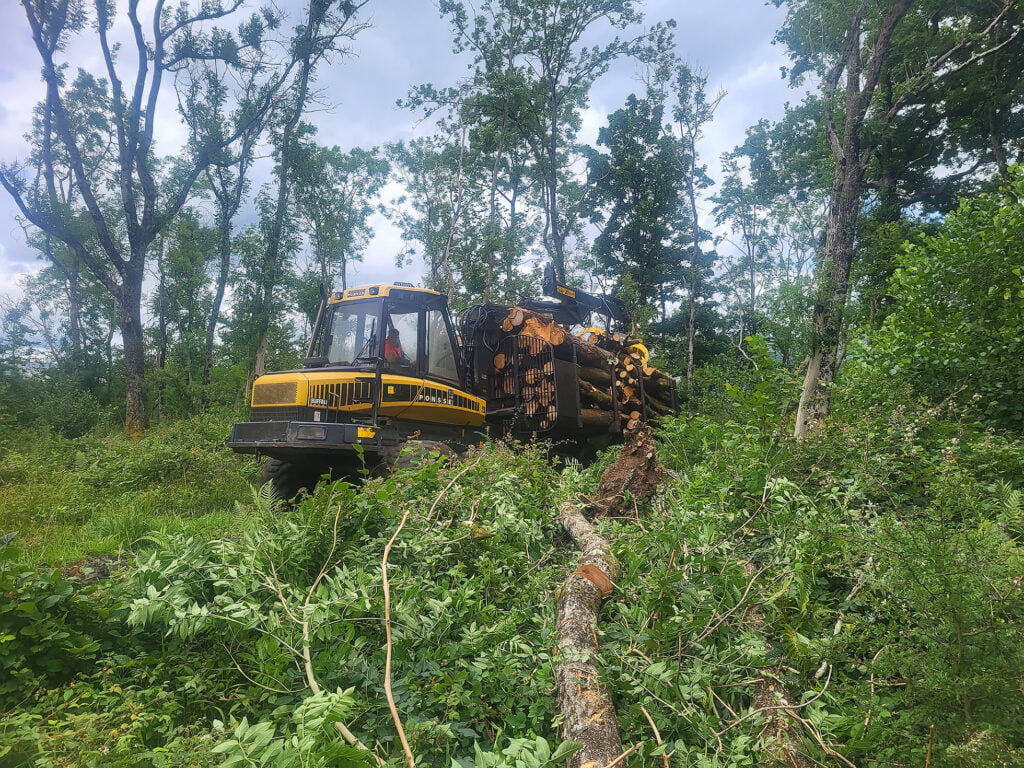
[996, 141]
[492, 204]
[224, 252]
[752, 265]
[691, 337]
[844, 203]
[691, 327]
[75, 313]
[831, 296]
[556, 246]
[135, 421]
[161, 312]
[260, 362]
[456, 203]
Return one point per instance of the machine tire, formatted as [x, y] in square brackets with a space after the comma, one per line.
[288, 479]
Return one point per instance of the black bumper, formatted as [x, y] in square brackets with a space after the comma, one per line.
[286, 438]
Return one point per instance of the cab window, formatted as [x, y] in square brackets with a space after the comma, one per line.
[401, 342]
[440, 353]
[352, 334]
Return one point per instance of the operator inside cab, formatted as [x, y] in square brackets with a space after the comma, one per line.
[393, 353]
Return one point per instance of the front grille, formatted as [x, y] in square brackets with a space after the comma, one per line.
[338, 395]
[274, 393]
[280, 413]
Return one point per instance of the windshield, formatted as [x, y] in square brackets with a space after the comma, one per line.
[352, 334]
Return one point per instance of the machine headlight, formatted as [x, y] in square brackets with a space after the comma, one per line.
[311, 433]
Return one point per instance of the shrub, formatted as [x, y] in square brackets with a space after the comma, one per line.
[958, 325]
[47, 626]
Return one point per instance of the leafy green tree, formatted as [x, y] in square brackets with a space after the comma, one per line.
[958, 328]
[181, 304]
[738, 206]
[334, 193]
[490, 179]
[853, 51]
[321, 34]
[427, 169]
[635, 192]
[692, 109]
[128, 206]
[554, 71]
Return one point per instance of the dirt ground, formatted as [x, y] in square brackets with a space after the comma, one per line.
[636, 471]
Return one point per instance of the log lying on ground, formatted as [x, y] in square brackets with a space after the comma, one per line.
[782, 733]
[588, 715]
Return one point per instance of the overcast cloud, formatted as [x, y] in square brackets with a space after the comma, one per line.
[409, 43]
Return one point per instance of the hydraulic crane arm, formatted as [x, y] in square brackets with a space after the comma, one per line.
[575, 306]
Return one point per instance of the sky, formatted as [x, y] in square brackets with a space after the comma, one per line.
[409, 43]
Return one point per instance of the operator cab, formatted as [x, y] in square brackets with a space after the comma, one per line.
[406, 330]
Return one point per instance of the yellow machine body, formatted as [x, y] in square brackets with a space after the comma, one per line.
[402, 397]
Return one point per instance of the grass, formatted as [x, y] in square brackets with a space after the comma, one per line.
[100, 494]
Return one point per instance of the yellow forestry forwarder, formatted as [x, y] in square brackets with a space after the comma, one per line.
[387, 379]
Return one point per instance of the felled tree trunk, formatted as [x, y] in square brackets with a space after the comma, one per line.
[782, 734]
[588, 715]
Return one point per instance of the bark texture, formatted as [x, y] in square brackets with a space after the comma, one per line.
[781, 733]
[588, 715]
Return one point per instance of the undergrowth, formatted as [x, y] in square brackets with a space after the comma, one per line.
[874, 570]
[99, 494]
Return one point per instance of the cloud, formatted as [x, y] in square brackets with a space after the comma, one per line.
[410, 44]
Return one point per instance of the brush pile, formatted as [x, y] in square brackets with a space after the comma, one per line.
[618, 388]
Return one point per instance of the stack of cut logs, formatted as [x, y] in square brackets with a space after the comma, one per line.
[601, 373]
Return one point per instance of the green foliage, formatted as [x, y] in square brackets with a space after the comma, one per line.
[307, 738]
[521, 753]
[42, 626]
[958, 324]
[900, 526]
[636, 192]
[751, 388]
[471, 657]
[100, 493]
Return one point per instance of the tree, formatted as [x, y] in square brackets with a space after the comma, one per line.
[691, 111]
[636, 195]
[492, 177]
[181, 305]
[958, 327]
[113, 240]
[427, 170]
[228, 179]
[739, 207]
[539, 42]
[320, 35]
[849, 50]
[334, 193]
